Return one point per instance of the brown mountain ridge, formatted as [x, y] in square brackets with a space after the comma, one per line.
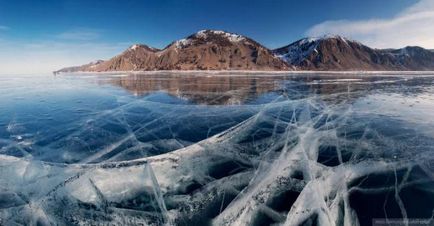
[204, 50]
[336, 53]
[220, 50]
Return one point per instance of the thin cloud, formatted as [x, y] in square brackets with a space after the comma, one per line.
[412, 26]
[72, 47]
[80, 34]
[46, 56]
[3, 28]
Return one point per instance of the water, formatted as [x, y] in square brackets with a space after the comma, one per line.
[197, 149]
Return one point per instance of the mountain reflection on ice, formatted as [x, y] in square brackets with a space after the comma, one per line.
[191, 149]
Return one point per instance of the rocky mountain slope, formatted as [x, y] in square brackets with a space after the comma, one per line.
[338, 53]
[86, 67]
[219, 50]
[204, 50]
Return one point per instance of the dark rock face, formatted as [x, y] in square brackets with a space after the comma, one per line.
[338, 53]
[205, 50]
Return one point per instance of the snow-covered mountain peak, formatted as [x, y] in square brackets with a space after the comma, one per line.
[183, 43]
[134, 47]
[299, 50]
[209, 36]
[323, 38]
[230, 36]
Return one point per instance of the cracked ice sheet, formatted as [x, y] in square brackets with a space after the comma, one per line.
[38, 193]
[194, 150]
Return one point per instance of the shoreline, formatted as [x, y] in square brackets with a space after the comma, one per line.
[250, 72]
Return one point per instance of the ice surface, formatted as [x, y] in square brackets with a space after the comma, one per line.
[38, 193]
[221, 150]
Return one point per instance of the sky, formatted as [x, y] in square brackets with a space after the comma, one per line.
[42, 36]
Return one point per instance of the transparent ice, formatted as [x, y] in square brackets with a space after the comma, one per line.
[200, 149]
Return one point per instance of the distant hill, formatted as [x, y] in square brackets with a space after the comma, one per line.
[338, 53]
[220, 50]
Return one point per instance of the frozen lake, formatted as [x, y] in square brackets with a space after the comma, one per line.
[199, 149]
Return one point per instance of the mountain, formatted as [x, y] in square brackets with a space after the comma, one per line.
[137, 57]
[413, 58]
[220, 50]
[86, 67]
[204, 50]
[337, 53]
